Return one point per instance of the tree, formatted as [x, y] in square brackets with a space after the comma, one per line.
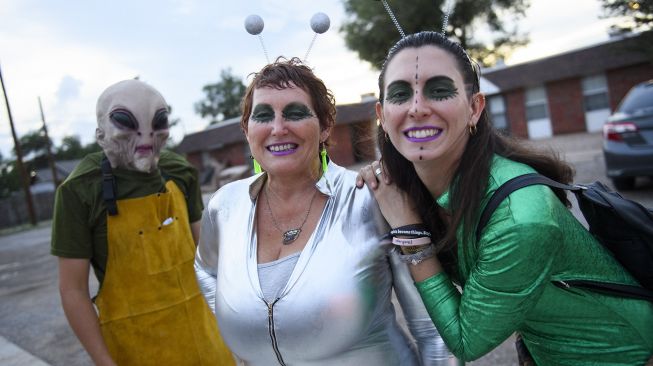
[370, 32]
[33, 142]
[222, 98]
[70, 148]
[9, 178]
[636, 16]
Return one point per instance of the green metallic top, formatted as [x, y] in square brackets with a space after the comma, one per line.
[531, 240]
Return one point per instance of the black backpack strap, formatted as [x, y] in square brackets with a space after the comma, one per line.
[526, 180]
[108, 187]
[614, 289]
[510, 186]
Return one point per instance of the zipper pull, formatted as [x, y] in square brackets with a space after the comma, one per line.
[564, 284]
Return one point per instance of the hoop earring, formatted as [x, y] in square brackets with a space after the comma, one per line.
[324, 159]
[387, 138]
[472, 129]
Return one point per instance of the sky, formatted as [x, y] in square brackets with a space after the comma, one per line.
[68, 52]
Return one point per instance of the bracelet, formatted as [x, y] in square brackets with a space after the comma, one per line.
[418, 257]
[411, 242]
[415, 231]
[413, 249]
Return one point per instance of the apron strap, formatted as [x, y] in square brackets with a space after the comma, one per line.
[108, 187]
[189, 203]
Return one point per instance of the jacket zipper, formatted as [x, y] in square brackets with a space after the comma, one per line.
[273, 336]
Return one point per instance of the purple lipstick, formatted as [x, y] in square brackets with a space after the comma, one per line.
[422, 134]
[284, 148]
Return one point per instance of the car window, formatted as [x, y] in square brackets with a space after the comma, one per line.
[638, 98]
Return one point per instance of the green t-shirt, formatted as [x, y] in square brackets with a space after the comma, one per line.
[79, 224]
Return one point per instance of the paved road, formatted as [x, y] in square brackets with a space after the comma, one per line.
[33, 329]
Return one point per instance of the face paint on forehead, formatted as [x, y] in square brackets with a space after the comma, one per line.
[416, 76]
[416, 70]
[416, 80]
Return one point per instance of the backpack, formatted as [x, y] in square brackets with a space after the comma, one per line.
[622, 226]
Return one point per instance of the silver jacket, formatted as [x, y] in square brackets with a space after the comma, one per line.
[336, 308]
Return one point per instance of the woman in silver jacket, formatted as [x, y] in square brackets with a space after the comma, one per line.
[291, 260]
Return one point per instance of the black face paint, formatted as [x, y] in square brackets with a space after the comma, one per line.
[262, 113]
[296, 112]
[398, 92]
[123, 119]
[416, 79]
[440, 88]
[160, 121]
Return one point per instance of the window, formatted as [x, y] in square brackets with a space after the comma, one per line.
[536, 106]
[595, 93]
[639, 97]
[497, 109]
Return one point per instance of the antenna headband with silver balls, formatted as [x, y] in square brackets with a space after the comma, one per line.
[320, 23]
[447, 9]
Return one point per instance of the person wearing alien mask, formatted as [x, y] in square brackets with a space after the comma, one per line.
[132, 212]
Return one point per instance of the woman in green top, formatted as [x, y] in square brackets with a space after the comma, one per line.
[441, 161]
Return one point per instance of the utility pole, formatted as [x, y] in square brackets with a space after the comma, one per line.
[48, 146]
[19, 158]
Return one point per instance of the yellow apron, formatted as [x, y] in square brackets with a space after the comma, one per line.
[150, 306]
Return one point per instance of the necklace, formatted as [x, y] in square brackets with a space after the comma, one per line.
[289, 235]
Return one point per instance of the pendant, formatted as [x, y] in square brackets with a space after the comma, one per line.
[291, 235]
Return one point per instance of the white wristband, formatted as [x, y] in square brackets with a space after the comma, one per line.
[411, 242]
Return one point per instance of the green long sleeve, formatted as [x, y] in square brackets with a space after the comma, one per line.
[508, 278]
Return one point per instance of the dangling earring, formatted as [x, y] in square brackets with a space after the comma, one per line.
[257, 166]
[323, 158]
[472, 129]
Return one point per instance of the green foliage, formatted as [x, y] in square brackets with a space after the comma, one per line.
[33, 147]
[70, 148]
[32, 142]
[222, 98]
[636, 16]
[370, 31]
[34, 157]
[9, 178]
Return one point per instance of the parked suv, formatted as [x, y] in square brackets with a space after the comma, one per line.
[628, 137]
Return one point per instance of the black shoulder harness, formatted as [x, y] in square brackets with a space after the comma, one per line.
[108, 187]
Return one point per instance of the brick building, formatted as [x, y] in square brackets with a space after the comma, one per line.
[570, 92]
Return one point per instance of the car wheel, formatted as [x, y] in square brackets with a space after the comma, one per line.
[624, 183]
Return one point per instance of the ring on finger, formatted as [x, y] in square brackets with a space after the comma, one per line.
[377, 171]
